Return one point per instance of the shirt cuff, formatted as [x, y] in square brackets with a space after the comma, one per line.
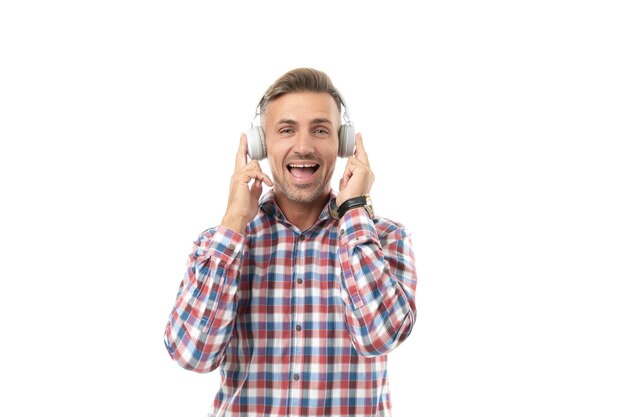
[356, 227]
[226, 245]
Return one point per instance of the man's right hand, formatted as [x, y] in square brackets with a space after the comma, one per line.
[243, 200]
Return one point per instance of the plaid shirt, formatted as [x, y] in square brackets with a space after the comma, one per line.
[299, 322]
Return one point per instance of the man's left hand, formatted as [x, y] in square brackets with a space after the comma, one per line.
[358, 177]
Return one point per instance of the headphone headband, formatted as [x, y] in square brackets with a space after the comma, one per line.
[334, 93]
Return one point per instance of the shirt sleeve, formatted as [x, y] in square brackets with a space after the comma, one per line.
[379, 282]
[202, 320]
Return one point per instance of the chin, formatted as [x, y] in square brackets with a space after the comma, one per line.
[304, 195]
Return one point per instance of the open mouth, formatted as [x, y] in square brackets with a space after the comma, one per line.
[302, 170]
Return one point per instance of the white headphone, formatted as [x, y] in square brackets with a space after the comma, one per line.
[256, 138]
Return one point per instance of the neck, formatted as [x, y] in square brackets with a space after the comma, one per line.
[302, 215]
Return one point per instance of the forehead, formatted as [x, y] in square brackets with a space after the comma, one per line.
[302, 106]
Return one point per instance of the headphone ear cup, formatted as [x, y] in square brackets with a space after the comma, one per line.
[347, 142]
[256, 143]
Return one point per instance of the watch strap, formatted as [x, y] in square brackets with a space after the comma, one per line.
[361, 201]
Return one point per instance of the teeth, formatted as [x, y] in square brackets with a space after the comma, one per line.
[302, 165]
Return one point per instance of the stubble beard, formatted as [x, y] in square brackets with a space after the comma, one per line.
[301, 194]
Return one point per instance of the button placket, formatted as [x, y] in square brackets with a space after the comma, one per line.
[300, 297]
[297, 314]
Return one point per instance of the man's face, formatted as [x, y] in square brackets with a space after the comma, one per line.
[301, 134]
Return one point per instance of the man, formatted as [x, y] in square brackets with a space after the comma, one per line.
[298, 297]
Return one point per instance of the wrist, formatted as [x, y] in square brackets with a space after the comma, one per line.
[342, 199]
[234, 223]
[365, 201]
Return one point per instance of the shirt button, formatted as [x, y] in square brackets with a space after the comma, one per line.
[231, 246]
[296, 377]
[299, 280]
[302, 237]
[341, 232]
[298, 327]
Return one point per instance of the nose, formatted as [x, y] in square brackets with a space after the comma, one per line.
[304, 143]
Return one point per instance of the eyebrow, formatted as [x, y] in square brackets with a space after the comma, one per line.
[320, 120]
[287, 122]
[313, 122]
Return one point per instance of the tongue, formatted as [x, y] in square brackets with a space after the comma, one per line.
[302, 172]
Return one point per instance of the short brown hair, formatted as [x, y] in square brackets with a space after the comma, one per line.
[299, 80]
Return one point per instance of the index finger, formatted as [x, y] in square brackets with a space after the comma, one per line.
[242, 152]
[360, 153]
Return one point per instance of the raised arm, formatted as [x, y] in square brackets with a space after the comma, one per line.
[202, 320]
[378, 268]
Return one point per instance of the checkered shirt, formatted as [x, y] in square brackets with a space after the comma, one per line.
[299, 322]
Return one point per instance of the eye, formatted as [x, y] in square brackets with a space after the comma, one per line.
[286, 131]
[321, 132]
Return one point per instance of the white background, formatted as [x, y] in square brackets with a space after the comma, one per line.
[495, 130]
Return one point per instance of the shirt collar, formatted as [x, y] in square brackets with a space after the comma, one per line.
[268, 204]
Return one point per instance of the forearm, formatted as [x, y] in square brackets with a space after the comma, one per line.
[379, 283]
[201, 322]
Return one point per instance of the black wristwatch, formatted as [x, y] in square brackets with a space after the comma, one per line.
[364, 201]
